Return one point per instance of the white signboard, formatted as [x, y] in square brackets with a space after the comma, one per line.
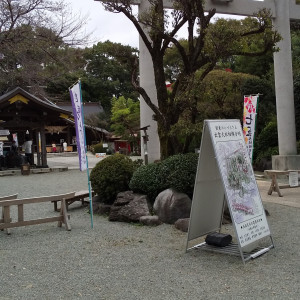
[293, 179]
[239, 182]
[225, 174]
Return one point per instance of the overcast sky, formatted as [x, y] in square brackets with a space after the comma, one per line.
[105, 25]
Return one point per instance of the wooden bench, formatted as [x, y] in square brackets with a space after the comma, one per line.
[274, 187]
[6, 221]
[10, 197]
[79, 196]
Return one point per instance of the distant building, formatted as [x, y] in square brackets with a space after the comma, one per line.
[22, 114]
[89, 108]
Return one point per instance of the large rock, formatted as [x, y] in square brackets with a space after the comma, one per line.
[170, 206]
[150, 220]
[129, 207]
[182, 224]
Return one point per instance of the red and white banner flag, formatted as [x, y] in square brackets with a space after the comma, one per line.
[249, 120]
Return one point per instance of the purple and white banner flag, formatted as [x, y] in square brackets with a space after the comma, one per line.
[75, 93]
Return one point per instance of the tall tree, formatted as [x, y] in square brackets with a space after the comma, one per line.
[212, 42]
[125, 119]
[295, 35]
[108, 73]
[32, 35]
[297, 105]
[40, 13]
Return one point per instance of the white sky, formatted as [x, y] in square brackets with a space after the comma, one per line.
[107, 25]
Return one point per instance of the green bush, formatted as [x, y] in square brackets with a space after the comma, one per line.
[111, 176]
[267, 154]
[147, 180]
[177, 172]
[268, 137]
[266, 144]
[98, 148]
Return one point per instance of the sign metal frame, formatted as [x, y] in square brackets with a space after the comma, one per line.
[223, 139]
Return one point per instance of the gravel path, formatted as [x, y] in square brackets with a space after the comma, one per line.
[125, 261]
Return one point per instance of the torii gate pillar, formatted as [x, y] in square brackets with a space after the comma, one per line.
[287, 158]
[148, 83]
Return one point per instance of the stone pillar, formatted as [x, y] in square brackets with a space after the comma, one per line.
[284, 91]
[147, 82]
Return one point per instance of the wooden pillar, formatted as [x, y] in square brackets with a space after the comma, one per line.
[43, 146]
[69, 138]
[38, 150]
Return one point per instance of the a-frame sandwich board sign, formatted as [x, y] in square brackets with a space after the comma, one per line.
[225, 174]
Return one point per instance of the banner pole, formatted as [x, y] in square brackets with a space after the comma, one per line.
[87, 164]
[77, 104]
[255, 124]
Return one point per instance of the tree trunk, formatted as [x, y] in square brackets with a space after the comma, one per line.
[169, 145]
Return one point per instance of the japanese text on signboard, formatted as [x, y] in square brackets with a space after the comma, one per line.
[222, 132]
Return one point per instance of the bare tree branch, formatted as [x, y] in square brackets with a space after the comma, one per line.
[42, 13]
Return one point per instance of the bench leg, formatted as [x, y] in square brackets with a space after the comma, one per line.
[64, 215]
[6, 217]
[271, 189]
[55, 205]
[2, 217]
[274, 186]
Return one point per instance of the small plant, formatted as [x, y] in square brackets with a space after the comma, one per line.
[111, 176]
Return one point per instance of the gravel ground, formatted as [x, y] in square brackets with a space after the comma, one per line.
[125, 261]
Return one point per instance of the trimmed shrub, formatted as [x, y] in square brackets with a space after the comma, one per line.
[111, 176]
[268, 137]
[266, 144]
[98, 148]
[177, 172]
[146, 180]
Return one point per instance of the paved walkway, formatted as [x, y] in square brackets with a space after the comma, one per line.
[117, 260]
[70, 161]
[291, 197]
